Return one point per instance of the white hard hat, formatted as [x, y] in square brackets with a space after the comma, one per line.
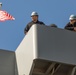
[34, 13]
[72, 17]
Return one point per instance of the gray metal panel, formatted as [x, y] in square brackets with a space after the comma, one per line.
[56, 44]
[7, 62]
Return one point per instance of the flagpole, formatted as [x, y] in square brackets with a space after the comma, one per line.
[0, 5]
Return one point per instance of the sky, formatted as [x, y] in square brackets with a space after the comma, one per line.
[50, 11]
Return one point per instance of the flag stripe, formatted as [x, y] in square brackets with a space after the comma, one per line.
[5, 16]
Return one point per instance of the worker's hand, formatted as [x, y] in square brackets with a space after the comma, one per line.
[74, 28]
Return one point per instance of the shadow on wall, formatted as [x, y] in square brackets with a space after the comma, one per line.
[8, 64]
[16, 67]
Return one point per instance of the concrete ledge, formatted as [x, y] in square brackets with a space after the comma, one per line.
[47, 43]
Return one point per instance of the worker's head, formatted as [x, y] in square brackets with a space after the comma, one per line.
[34, 16]
[72, 19]
[53, 25]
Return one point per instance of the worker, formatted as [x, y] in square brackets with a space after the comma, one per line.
[34, 17]
[72, 24]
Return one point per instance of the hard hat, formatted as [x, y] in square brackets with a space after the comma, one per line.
[72, 17]
[34, 13]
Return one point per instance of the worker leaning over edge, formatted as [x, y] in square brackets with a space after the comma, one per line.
[72, 24]
[34, 17]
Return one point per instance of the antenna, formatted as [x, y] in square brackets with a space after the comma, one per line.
[0, 5]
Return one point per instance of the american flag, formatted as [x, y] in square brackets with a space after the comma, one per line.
[5, 16]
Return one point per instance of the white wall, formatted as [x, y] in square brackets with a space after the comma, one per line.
[25, 53]
[48, 43]
[41, 42]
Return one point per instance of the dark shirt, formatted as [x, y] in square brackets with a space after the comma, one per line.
[70, 26]
[30, 24]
